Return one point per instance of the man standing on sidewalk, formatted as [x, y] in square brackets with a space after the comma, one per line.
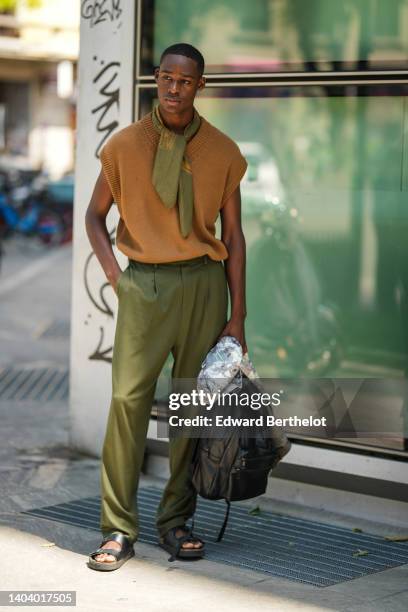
[171, 174]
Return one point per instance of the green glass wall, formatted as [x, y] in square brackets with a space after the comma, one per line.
[324, 199]
[280, 35]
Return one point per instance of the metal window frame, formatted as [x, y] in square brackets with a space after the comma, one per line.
[272, 77]
[362, 460]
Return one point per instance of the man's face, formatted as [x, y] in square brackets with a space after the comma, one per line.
[177, 81]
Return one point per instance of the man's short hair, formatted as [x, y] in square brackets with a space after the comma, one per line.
[188, 51]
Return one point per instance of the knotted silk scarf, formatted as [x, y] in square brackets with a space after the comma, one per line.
[172, 176]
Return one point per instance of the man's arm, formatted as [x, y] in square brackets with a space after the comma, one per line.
[95, 223]
[233, 238]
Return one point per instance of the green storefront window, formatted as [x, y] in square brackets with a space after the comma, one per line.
[280, 35]
[325, 214]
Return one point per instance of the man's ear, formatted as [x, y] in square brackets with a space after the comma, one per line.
[202, 82]
[156, 74]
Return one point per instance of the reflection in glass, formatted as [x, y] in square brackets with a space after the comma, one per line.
[325, 217]
[280, 35]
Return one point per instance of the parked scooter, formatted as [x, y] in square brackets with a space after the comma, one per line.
[60, 195]
[290, 326]
[25, 208]
[291, 321]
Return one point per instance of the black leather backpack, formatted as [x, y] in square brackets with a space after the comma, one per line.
[236, 466]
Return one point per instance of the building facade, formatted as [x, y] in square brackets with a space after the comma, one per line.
[39, 49]
[315, 94]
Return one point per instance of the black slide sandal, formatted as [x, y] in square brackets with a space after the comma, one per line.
[173, 544]
[122, 555]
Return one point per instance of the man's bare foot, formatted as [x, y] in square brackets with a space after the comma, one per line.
[106, 557]
[181, 532]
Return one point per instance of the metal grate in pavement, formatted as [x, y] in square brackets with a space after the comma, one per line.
[283, 546]
[39, 384]
[57, 330]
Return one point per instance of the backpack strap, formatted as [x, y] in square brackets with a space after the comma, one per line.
[222, 530]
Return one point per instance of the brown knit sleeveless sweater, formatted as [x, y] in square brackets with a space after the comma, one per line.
[148, 231]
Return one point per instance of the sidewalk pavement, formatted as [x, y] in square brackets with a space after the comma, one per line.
[37, 468]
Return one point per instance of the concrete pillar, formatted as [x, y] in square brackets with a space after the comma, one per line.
[105, 104]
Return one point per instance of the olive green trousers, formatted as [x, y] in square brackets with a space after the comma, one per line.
[176, 307]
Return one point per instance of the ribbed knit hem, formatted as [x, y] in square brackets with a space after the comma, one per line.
[235, 175]
[110, 174]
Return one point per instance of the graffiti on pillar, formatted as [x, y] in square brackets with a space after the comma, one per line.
[104, 119]
[99, 293]
[101, 354]
[100, 11]
[106, 108]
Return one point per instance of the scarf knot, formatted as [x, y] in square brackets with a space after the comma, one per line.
[172, 176]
